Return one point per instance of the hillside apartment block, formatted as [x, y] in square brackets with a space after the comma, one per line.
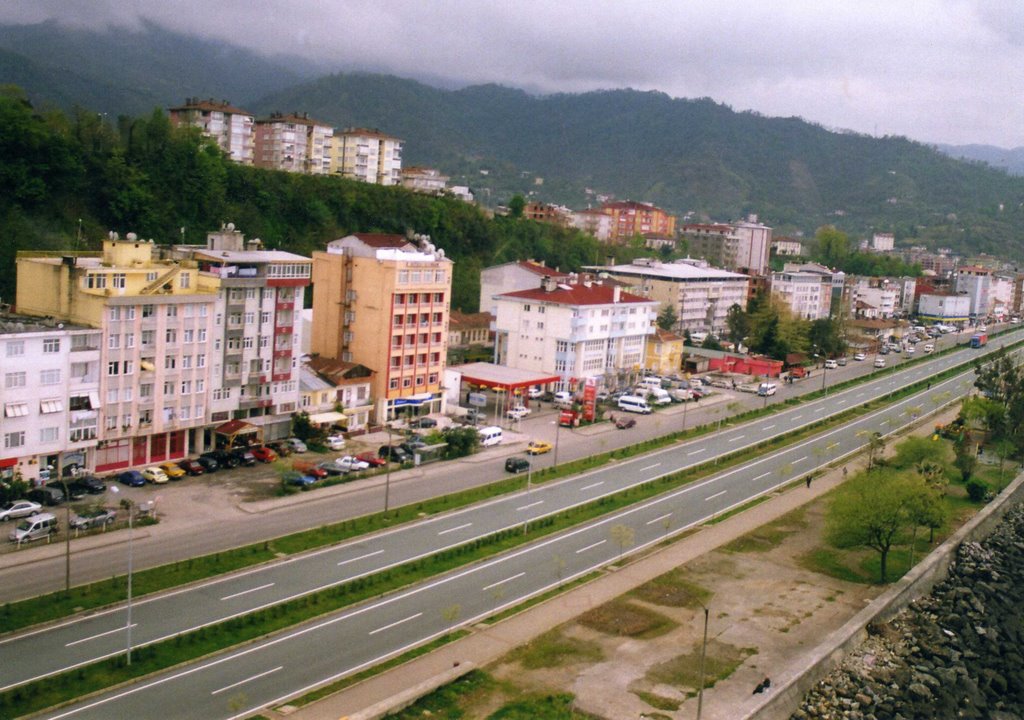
[383, 301]
[294, 143]
[188, 337]
[231, 127]
[368, 155]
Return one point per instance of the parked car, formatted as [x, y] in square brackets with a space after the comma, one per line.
[371, 458]
[97, 517]
[131, 478]
[412, 446]
[351, 464]
[562, 398]
[46, 495]
[155, 475]
[91, 484]
[625, 422]
[516, 465]
[334, 442]
[393, 453]
[264, 454]
[280, 447]
[75, 492]
[518, 412]
[831, 365]
[879, 362]
[538, 447]
[192, 467]
[245, 456]
[297, 445]
[172, 470]
[534, 392]
[224, 458]
[860, 356]
[309, 468]
[330, 467]
[208, 463]
[929, 348]
[842, 361]
[19, 508]
[423, 422]
[294, 477]
[35, 527]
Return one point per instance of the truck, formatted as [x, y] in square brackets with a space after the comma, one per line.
[979, 340]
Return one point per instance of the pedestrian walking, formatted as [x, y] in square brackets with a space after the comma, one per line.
[808, 480]
[844, 473]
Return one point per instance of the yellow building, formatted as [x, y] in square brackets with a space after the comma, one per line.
[664, 353]
[368, 155]
[157, 321]
[383, 301]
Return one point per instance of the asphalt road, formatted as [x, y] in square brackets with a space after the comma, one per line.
[207, 523]
[83, 641]
[237, 683]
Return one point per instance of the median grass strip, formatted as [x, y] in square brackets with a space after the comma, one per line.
[64, 687]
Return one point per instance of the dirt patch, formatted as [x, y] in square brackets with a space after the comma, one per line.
[626, 619]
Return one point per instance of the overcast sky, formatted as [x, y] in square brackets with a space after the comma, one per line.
[934, 70]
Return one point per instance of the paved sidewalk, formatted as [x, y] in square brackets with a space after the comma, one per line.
[370, 698]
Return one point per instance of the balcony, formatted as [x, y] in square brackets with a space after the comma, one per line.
[281, 377]
[282, 330]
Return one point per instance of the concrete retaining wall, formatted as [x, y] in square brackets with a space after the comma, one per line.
[787, 695]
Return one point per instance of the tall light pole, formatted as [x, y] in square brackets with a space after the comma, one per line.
[558, 427]
[703, 654]
[128, 626]
[391, 459]
[67, 534]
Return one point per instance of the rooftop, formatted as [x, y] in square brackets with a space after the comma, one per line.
[579, 294]
[671, 271]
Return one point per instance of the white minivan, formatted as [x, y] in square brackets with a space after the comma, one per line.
[659, 396]
[634, 403]
[490, 436]
[766, 388]
[34, 528]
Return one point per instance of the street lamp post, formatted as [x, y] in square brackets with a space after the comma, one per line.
[703, 655]
[67, 534]
[558, 428]
[387, 477]
[128, 625]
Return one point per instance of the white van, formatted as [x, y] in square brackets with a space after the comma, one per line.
[634, 403]
[490, 436]
[766, 388]
[659, 396]
[34, 528]
[650, 382]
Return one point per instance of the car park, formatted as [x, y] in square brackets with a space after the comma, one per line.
[264, 454]
[625, 423]
[245, 456]
[192, 467]
[860, 356]
[393, 453]
[371, 458]
[334, 442]
[155, 475]
[19, 508]
[349, 463]
[46, 495]
[131, 478]
[538, 447]
[518, 412]
[516, 465]
[297, 445]
[172, 470]
[35, 527]
[91, 484]
[96, 517]
[423, 422]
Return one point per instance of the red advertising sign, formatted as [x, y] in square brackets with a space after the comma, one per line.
[589, 399]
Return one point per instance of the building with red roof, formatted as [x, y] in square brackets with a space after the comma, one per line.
[231, 127]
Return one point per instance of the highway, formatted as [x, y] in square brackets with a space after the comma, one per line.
[103, 634]
[239, 682]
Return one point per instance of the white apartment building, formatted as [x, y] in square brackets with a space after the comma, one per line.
[576, 331]
[368, 155]
[803, 292]
[875, 298]
[975, 282]
[883, 242]
[700, 294]
[511, 276]
[424, 180]
[787, 246]
[1002, 295]
[231, 127]
[593, 222]
[941, 308]
[51, 397]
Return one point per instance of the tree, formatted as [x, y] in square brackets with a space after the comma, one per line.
[624, 536]
[304, 429]
[516, 206]
[667, 318]
[738, 322]
[832, 246]
[462, 441]
[875, 444]
[965, 459]
[871, 510]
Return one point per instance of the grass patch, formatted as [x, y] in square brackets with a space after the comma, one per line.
[769, 536]
[625, 619]
[683, 671]
[658, 702]
[833, 563]
[449, 701]
[672, 590]
[555, 649]
[546, 707]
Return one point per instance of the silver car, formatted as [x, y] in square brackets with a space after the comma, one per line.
[19, 508]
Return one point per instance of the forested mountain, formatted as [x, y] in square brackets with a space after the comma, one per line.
[1011, 160]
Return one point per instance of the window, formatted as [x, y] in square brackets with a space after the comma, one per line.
[184, 280]
[127, 393]
[172, 311]
[112, 396]
[128, 367]
[168, 388]
[188, 336]
[439, 297]
[49, 434]
[186, 362]
[406, 382]
[393, 384]
[16, 409]
[170, 336]
[126, 420]
[147, 311]
[264, 341]
[14, 439]
[170, 362]
[247, 342]
[129, 340]
[51, 345]
[265, 316]
[113, 342]
[146, 391]
[48, 407]
[202, 311]
[250, 318]
[118, 280]
[111, 422]
[403, 277]
[16, 348]
[250, 293]
[201, 335]
[49, 377]
[432, 378]
[200, 385]
[14, 380]
[151, 276]
[414, 298]
[235, 319]
[95, 281]
[148, 338]
[186, 387]
[399, 298]
[201, 360]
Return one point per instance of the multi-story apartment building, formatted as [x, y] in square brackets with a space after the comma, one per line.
[383, 301]
[741, 247]
[942, 262]
[593, 222]
[51, 397]
[512, 276]
[1002, 294]
[975, 282]
[256, 331]
[368, 155]
[423, 179]
[787, 246]
[574, 330]
[156, 319]
[294, 143]
[875, 298]
[231, 127]
[883, 242]
[803, 292]
[944, 308]
[548, 213]
[701, 295]
[629, 218]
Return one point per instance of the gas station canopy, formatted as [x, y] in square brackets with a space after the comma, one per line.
[489, 375]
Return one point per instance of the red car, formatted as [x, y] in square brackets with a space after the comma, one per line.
[625, 423]
[263, 454]
[371, 458]
[192, 467]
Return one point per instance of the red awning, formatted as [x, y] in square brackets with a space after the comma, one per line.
[9, 462]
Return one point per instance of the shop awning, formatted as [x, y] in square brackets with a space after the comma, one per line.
[326, 418]
[9, 462]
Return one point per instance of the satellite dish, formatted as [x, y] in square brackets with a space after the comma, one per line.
[131, 237]
[231, 227]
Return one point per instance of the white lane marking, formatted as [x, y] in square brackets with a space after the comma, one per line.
[463, 526]
[93, 637]
[592, 485]
[527, 507]
[248, 679]
[820, 409]
[246, 592]
[361, 557]
[840, 401]
[695, 452]
[769, 427]
[799, 459]
[860, 395]
[396, 623]
[659, 518]
[712, 497]
[502, 582]
[650, 467]
[737, 438]
[797, 417]
[762, 475]
[591, 547]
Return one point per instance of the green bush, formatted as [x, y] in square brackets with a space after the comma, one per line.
[976, 490]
